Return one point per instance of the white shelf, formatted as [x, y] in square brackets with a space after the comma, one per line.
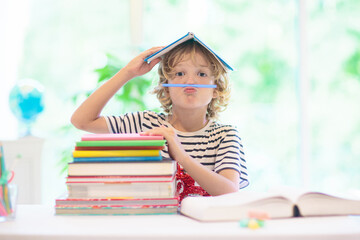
[24, 157]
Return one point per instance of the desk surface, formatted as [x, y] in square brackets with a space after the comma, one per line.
[39, 222]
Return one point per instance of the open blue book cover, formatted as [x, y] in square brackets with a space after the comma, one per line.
[185, 38]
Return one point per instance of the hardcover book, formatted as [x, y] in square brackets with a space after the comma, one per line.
[118, 137]
[116, 179]
[116, 210]
[69, 202]
[185, 38]
[122, 189]
[123, 143]
[236, 206]
[116, 159]
[117, 153]
[147, 168]
[106, 148]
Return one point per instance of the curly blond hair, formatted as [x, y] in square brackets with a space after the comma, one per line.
[175, 56]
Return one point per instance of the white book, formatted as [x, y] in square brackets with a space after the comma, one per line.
[236, 206]
[118, 179]
[147, 168]
[122, 190]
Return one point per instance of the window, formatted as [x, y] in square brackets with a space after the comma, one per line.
[61, 47]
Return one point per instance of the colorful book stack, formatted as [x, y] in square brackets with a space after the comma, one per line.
[119, 174]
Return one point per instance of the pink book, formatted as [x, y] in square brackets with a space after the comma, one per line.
[118, 137]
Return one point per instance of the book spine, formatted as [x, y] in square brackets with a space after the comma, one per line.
[119, 153]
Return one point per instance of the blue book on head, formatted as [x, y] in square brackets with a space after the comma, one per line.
[185, 38]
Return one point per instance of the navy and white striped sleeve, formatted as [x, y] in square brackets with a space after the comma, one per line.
[230, 155]
[127, 123]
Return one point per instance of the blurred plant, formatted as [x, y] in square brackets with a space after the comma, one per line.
[270, 72]
[352, 64]
[131, 96]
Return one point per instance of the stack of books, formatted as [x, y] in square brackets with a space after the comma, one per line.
[119, 174]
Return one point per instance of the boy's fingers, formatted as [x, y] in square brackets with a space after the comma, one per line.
[151, 132]
[154, 62]
[152, 50]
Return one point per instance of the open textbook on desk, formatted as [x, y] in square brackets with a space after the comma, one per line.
[236, 206]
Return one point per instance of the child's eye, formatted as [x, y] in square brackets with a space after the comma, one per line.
[179, 74]
[201, 74]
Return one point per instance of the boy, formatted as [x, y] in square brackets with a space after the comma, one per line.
[209, 155]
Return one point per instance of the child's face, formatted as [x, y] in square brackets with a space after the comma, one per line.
[190, 70]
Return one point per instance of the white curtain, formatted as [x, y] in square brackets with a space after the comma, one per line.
[14, 16]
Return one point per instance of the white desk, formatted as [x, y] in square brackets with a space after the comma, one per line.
[39, 222]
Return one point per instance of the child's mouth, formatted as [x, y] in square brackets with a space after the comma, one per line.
[190, 90]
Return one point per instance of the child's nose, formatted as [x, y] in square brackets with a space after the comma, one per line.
[191, 79]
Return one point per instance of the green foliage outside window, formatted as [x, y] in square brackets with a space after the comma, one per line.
[258, 38]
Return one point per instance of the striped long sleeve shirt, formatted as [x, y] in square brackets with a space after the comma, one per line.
[216, 146]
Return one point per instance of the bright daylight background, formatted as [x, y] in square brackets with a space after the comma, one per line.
[295, 91]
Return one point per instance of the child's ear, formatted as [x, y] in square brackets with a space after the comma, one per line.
[215, 93]
[166, 88]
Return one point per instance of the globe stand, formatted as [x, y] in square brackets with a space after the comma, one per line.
[25, 129]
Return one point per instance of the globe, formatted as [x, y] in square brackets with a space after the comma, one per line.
[26, 101]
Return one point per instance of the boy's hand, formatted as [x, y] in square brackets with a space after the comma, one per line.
[138, 66]
[176, 151]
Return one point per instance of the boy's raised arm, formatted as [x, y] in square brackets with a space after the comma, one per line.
[87, 116]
